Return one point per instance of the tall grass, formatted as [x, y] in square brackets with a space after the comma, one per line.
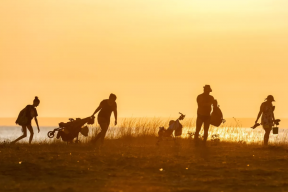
[141, 127]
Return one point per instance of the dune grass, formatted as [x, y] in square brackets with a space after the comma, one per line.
[139, 127]
[137, 164]
[130, 160]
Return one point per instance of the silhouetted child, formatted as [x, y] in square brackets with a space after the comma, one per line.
[24, 119]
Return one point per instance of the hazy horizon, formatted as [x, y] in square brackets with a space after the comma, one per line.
[54, 121]
[156, 56]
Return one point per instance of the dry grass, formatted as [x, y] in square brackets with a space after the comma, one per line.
[130, 160]
[137, 164]
[139, 127]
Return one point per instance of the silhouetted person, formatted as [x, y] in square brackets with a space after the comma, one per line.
[106, 107]
[268, 119]
[205, 101]
[24, 119]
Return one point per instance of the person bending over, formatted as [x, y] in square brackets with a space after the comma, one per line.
[24, 119]
[106, 108]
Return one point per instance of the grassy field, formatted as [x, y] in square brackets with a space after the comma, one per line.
[229, 132]
[130, 160]
[137, 164]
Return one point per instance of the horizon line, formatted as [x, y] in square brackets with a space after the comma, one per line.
[149, 117]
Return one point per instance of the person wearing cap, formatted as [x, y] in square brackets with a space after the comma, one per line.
[267, 119]
[204, 101]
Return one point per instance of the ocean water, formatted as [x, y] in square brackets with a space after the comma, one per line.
[248, 135]
[9, 133]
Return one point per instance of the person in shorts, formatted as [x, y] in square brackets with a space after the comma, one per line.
[24, 119]
[106, 108]
[204, 101]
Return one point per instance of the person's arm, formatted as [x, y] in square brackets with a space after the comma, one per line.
[260, 113]
[98, 109]
[215, 103]
[115, 114]
[36, 121]
[212, 100]
[273, 117]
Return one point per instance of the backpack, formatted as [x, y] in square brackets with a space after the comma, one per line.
[22, 117]
[216, 117]
[178, 131]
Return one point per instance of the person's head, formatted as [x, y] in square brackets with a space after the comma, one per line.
[36, 101]
[112, 97]
[207, 89]
[270, 98]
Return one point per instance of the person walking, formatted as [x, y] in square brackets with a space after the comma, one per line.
[106, 108]
[24, 119]
[268, 119]
[204, 101]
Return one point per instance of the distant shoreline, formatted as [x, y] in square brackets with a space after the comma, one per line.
[54, 121]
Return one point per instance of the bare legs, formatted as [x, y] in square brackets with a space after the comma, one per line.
[266, 135]
[24, 128]
[29, 127]
[199, 123]
[101, 135]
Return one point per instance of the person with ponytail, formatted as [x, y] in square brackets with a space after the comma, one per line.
[24, 119]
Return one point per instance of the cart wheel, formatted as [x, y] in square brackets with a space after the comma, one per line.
[50, 134]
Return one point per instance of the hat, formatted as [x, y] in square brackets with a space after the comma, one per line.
[270, 97]
[208, 87]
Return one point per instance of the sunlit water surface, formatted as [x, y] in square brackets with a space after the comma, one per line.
[247, 135]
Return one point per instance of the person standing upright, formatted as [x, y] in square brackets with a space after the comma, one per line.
[106, 108]
[268, 119]
[204, 101]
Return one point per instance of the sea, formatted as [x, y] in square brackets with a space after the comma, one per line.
[10, 133]
[243, 135]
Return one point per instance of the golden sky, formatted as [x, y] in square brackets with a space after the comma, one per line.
[155, 55]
